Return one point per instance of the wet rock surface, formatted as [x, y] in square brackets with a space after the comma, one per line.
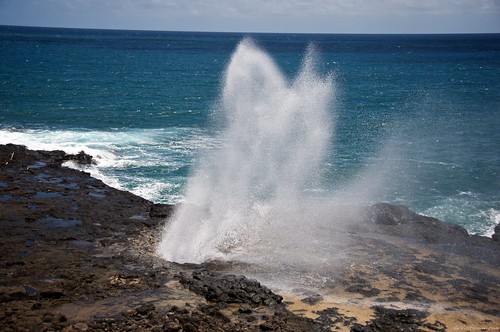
[399, 320]
[78, 255]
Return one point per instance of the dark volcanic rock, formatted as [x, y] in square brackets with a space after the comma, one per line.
[365, 291]
[161, 210]
[400, 221]
[312, 300]
[18, 154]
[230, 289]
[80, 255]
[389, 320]
[496, 235]
[80, 158]
[387, 214]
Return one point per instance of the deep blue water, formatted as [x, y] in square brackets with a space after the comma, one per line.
[422, 110]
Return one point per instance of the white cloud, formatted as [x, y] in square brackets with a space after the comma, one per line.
[245, 8]
[326, 7]
[260, 15]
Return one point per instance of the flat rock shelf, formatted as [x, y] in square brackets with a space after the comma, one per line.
[78, 255]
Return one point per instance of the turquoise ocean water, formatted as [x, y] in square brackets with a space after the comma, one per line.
[416, 115]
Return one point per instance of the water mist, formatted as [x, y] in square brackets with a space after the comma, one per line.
[247, 200]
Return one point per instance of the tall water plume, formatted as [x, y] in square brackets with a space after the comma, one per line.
[250, 193]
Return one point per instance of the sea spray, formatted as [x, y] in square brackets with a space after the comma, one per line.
[247, 198]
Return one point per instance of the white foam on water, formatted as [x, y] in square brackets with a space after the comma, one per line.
[118, 153]
[493, 216]
[157, 191]
[68, 141]
[468, 210]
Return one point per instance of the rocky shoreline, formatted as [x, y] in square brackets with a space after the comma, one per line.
[78, 255]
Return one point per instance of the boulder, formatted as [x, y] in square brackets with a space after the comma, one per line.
[80, 158]
[228, 288]
[399, 220]
[496, 236]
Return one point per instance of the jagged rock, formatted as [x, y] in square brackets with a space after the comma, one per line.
[81, 158]
[145, 309]
[496, 236]
[161, 210]
[230, 289]
[312, 300]
[387, 319]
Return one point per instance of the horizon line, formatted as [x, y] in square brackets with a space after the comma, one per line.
[251, 32]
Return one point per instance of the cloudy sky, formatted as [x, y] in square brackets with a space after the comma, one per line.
[324, 16]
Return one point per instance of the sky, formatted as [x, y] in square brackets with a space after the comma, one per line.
[293, 16]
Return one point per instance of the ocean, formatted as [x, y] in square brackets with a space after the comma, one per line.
[411, 119]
